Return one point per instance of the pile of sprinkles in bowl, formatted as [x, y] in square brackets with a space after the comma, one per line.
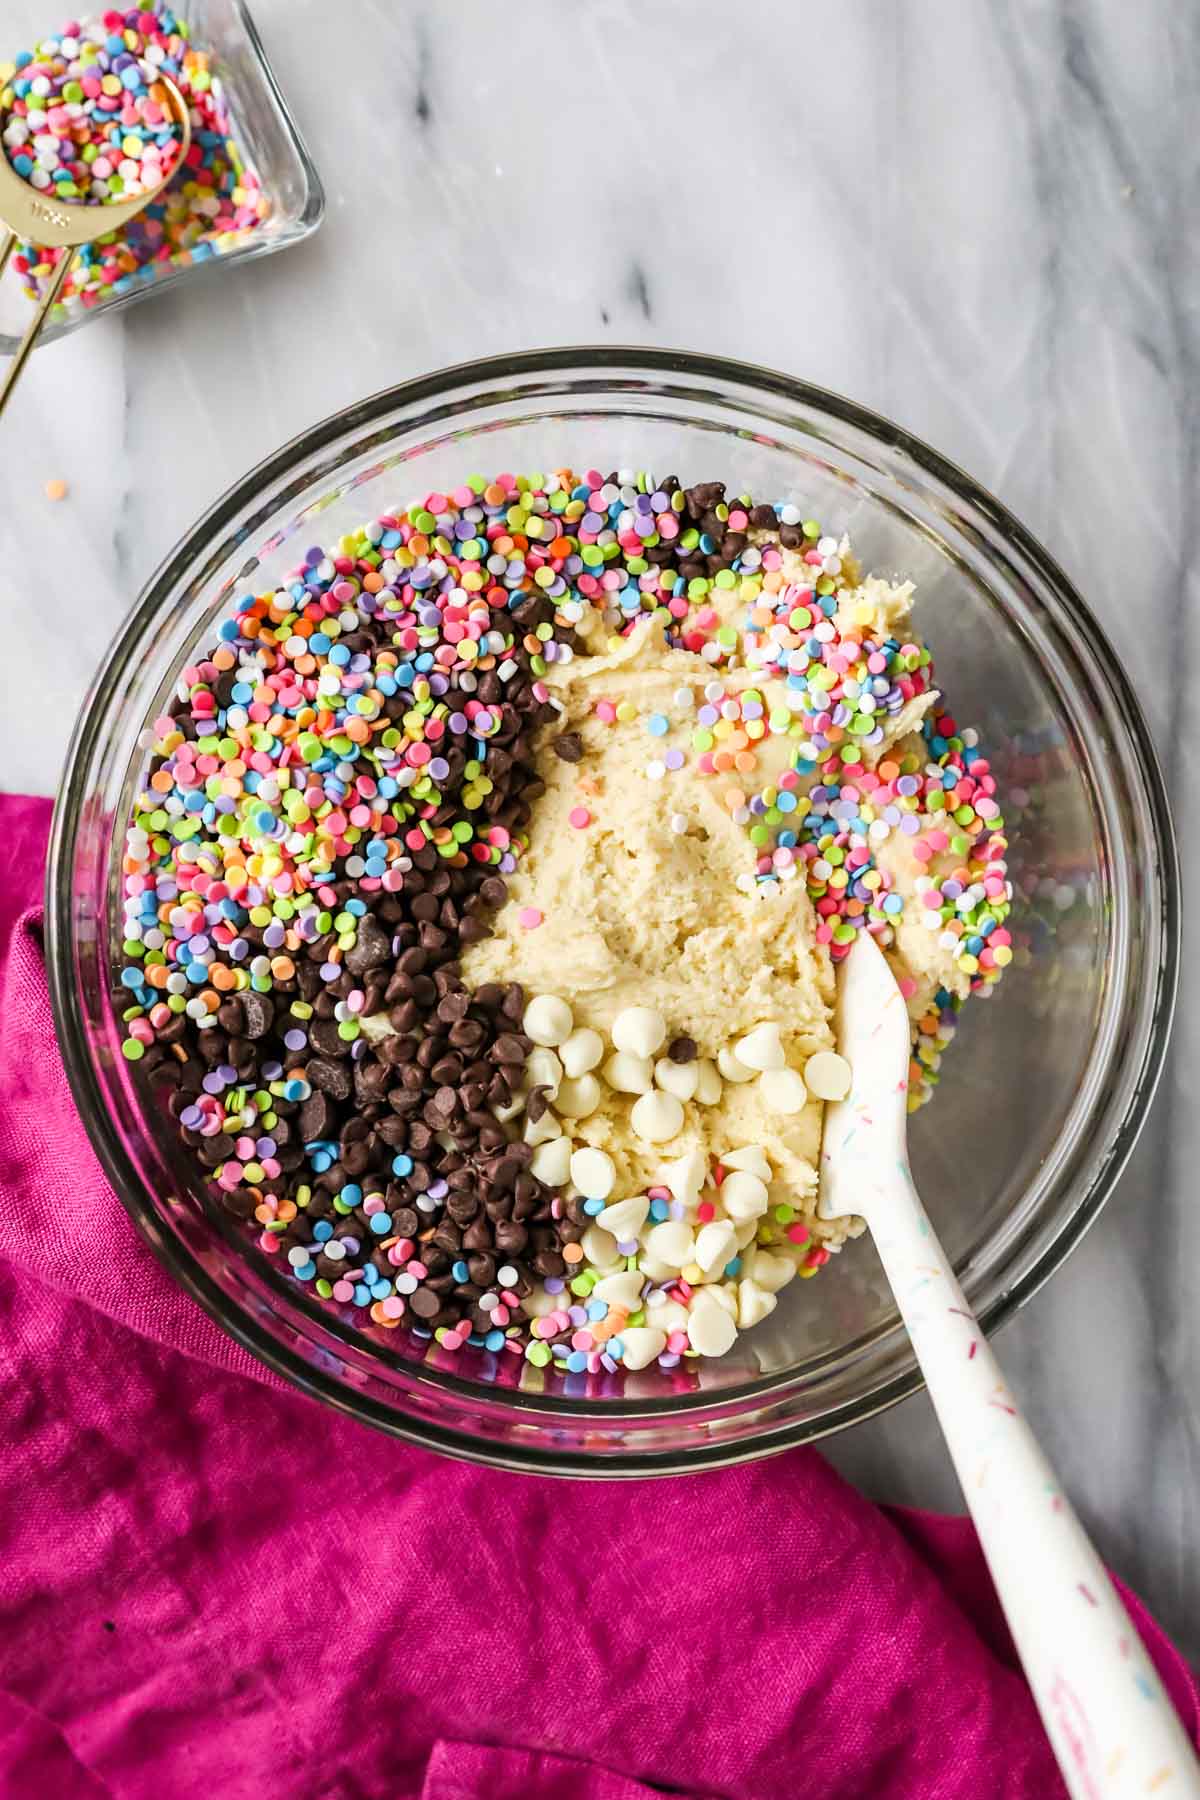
[333, 802]
[85, 120]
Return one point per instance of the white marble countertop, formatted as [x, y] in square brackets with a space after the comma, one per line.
[1003, 201]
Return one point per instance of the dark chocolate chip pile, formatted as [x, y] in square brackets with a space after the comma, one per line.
[428, 1091]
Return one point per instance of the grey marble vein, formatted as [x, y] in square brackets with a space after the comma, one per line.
[978, 216]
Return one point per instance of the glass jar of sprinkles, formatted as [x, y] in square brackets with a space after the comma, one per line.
[248, 187]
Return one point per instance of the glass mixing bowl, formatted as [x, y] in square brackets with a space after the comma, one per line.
[1042, 1093]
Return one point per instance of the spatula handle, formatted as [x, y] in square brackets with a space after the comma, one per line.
[1112, 1728]
[10, 376]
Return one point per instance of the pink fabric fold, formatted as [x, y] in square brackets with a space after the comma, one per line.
[210, 1585]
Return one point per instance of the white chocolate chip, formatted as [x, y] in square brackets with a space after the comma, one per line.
[671, 1243]
[642, 1343]
[625, 1218]
[669, 1315]
[731, 1067]
[621, 1290]
[828, 1075]
[546, 1129]
[655, 1270]
[686, 1176]
[754, 1303]
[551, 1161]
[548, 1020]
[747, 1231]
[783, 1091]
[769, 1271]
[752, 1158]
[761, 1048]
[744, 1196]
[711, 1330]
[578, 1099]
[640, 1030]
[594, 1173]
[629, 1074]
[656, 1117]
[543, 1070]
[582, 1052]
[515, 1107]
[375, 1027]
[680, 1079]
[726, 1296]
[539, 1303]
[600, 1247]
[715, 1244]
[708, 1082]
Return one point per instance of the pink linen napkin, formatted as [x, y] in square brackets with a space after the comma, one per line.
[210, 1585]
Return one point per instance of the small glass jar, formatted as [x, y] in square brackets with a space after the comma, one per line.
[268, 142]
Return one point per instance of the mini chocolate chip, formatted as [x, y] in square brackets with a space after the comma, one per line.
[682, 1050]
[569, 746]
[316, 1118]
[482, 1269]
[240, 1202]
[356, 1158]
[371, 1081]
[259, 1013]
[511, 1237]
[333, 1078]
[323, 1035]
[371, 947]
[230, 1016]
[467, 1035]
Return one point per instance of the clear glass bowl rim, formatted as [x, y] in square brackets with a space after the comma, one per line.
[479, 382]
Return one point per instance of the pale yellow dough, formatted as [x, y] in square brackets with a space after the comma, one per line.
[638, 913]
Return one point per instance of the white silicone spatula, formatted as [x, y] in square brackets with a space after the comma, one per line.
[1111, 1726]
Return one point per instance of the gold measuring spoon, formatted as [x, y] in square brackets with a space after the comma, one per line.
[27, 214]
